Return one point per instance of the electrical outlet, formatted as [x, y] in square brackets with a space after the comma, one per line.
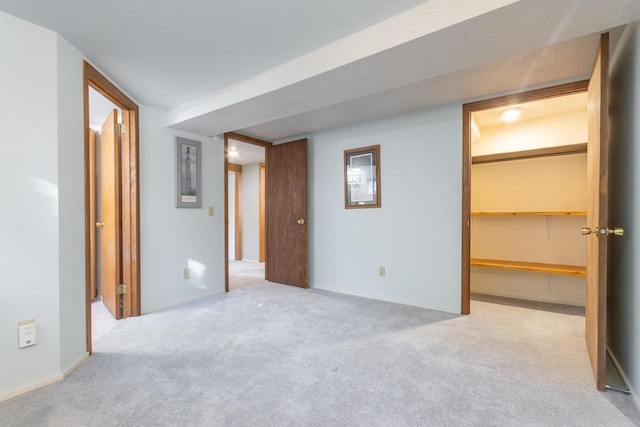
[187, 273]
[382, 271]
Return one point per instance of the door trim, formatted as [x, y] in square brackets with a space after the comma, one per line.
[248, 140]
[130, 194]
[467, 110]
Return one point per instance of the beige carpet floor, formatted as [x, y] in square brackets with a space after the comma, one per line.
[245, 273]
[274, 355]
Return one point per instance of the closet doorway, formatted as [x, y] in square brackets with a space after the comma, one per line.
[595, 228]
[529, 202]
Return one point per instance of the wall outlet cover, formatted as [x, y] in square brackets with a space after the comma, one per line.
[27, 333]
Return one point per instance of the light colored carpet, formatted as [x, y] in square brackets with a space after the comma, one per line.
[102, 321]
[276, 355]
[245, 273]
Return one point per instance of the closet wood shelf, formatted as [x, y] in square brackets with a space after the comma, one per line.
[530, 154]
[571, 270]
[554, 213]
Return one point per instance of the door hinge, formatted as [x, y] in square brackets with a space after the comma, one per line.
[121, 289]
[121, 128]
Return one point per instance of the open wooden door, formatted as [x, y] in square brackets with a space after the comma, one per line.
[597, 225]
[110, 222]
[286, 213]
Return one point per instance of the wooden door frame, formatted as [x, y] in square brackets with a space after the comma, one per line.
[129, 193]
[467, 110]
[248, 140]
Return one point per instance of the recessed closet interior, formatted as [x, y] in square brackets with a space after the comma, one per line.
[529, 201]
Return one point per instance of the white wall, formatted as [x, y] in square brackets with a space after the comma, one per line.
[543, 184]
[251, 212]
[416, 234]
[42, 222]
[171, 238]
[29, 245]
[623, 328]
[71, 204]
[560, 129]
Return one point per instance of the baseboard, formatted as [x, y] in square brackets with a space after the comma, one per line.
[74, 365]
[45, 382]
[528, 298]
[384, 298]
[634, 395]
[180, 302]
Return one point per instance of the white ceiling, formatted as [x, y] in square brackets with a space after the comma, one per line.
[248, 154]
[534, 109]
[170, 52]
[99, 109]
[303, 66]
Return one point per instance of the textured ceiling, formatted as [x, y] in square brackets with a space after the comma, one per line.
[167, 53]
[284, 68]
[533, 110]
[529, 43]
[560, 63]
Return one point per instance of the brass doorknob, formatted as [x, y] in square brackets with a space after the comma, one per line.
[617, 231]
[99, 224]
[302, 221]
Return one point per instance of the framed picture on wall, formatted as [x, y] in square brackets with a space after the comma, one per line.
[189, 173]
[362, 177]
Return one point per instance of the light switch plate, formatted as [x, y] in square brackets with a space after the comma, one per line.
[210, 210]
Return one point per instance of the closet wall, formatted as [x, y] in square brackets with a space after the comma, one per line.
[530, 210]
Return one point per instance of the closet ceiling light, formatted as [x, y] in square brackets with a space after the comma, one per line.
[233, 153]
[511, 115]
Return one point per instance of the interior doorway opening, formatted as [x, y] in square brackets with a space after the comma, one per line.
[245, 175]
[117, 228]
[100, 108]
[246, 212]
[596, 228]
[529, 202]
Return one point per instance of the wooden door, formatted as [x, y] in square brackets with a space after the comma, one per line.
[286, 213]
[110, 221]
[597, 221]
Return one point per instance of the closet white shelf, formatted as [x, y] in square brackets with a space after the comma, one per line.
[550, 213]
[571, 270]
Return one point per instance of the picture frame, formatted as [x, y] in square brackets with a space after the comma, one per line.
[362, 178]
[189, 173]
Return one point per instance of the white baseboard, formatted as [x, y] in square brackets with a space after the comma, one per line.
[44, 382]
[384, 298]
[180, 302]
[634, 394]
[74, 365]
